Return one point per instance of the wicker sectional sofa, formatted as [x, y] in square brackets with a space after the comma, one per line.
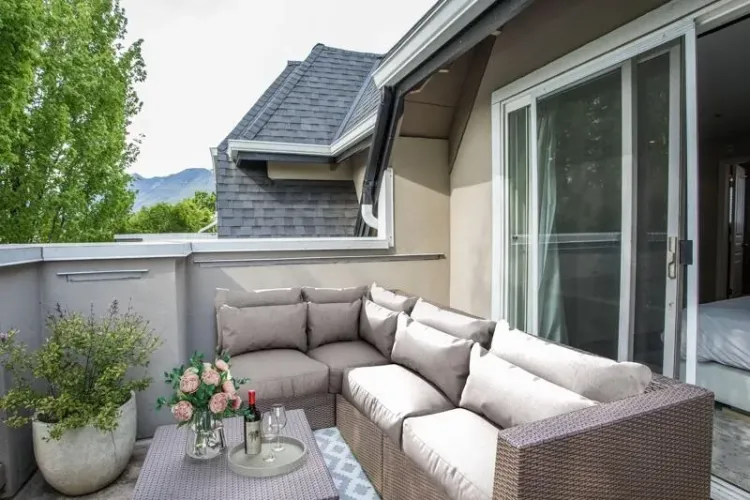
[439, 404]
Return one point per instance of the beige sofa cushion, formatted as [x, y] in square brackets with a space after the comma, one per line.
[596, 378]
[335, 322]
[241, 298]
[393, 301]
[389, 394]
[457, 324]
[510, 396]
[456, 449]
[250, 329]
[331, 295]
[377, 325]
[439, 357]
[280, 373]
[341, 356]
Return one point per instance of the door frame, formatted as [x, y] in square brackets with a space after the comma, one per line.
[678, 18]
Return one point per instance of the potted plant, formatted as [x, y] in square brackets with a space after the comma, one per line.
[203, 394]
[78, 391]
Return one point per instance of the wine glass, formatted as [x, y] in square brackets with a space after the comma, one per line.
[279, 412]
[270, 428]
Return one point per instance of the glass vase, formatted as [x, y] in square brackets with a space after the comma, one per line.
[205, 436]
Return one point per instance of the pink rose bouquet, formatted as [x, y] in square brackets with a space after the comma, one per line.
[202, 387]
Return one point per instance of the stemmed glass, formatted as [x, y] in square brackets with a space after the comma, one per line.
[279, 413]
[270, 428]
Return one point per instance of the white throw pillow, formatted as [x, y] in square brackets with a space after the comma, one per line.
[510, 396]
[594, 377]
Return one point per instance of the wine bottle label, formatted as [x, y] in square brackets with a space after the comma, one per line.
[252, 438]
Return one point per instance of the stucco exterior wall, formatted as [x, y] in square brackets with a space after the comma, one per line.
[545, 31]
[421, 195]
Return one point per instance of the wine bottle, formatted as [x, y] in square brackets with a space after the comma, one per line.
[252, 426]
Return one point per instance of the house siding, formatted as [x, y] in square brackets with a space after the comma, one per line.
[545, 31]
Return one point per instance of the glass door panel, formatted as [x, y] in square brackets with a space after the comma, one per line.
[579, 171]
[652, 189]
[518, 217]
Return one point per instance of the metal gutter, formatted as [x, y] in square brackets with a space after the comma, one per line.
[483, 25]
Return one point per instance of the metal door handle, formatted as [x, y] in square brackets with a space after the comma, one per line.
[672, 257]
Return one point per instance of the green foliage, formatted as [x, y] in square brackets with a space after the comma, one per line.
[187, 216]
[66, 99]
[201, 397]
[81, 374]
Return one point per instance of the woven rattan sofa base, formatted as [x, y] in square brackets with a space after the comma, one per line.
[320, 409]
[653, 446]
[364, 438]
[403, 480]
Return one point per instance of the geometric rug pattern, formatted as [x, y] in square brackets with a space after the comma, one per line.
[350, 479]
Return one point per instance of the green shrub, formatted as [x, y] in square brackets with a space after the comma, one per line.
[82, 374]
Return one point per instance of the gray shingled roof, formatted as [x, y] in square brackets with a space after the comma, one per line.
[311, 102]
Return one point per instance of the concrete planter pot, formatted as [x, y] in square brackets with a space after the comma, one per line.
[85, 460]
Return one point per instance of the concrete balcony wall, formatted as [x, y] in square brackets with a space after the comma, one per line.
[20, 299]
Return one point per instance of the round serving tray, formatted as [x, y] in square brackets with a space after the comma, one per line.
[288, 460]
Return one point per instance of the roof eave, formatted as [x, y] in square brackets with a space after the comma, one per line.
[444, 21]
[351, 138]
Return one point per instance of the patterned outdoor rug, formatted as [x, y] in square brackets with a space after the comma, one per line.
[347, 474]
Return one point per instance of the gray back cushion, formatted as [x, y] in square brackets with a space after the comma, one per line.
[439, 357]
[258, 328]
[241, 298]
[377, 326]
[596, 378]
[333, 295]
[457, 324]
[510, 396]
[390, 300]
[337, 322]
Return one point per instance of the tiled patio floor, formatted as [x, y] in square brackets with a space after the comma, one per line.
[347, 474]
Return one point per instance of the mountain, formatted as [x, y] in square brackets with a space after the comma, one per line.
[172, 188]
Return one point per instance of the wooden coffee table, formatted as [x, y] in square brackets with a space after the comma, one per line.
[168, 474]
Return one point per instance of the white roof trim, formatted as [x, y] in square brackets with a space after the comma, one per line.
[351, 138]
[433, 31]
[355, 135]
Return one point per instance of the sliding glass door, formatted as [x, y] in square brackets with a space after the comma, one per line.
[591, 177]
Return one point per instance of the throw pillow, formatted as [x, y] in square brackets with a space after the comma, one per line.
[390, 300]
[250, 329]
[331, 295]
[510, 396]
[377, 326]
[439, 357]
[327, 323]
[455, 323]
[594, 377]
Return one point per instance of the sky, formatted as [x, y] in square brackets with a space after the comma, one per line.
[208, 61]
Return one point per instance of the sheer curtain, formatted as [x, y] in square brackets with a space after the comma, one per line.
[551, 307]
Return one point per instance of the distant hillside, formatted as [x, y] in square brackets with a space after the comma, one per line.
[171, 188]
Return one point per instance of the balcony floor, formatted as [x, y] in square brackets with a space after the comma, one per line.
[347, 474]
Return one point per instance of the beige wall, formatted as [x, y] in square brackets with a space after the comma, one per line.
[359, 167]
[545, 31]
[309, 171]
[422, 195]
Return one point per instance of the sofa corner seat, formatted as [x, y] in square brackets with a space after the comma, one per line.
[280, 373]
[341, 356]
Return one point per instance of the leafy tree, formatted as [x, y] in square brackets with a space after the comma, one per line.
[187, 216]
[66, 99]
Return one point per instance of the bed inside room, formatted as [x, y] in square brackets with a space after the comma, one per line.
[724, 285]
